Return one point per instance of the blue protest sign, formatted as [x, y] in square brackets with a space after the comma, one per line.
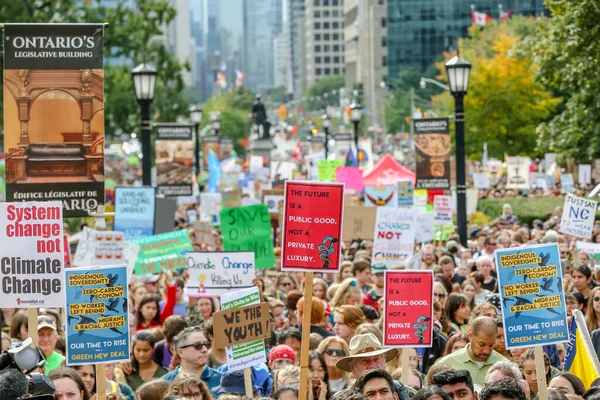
[381, 196]
[134, 211]
[97, 315]
[405, 193]
[533, 300]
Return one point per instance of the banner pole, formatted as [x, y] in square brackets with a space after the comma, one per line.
[248, 382]
[305, 345]
[405, 366]
[32, 315]
[540, 369]
[101, 381]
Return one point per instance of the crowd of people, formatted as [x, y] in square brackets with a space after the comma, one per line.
[173, 354]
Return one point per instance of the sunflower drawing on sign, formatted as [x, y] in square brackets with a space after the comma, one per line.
[381, 196]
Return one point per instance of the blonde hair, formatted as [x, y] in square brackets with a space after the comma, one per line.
[335, 339]
[287, 372]
[183, 380]
[591, 319]
[347, 287]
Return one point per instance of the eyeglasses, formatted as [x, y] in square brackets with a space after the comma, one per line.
[492, 244]
[191, 396]
[197, 346]
[440, 295]
[596, 298]
[339, 353]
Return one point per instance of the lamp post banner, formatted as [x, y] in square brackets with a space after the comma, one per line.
[54, 115]
[432, 147]
[174, 159]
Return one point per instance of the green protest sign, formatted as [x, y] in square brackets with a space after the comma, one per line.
[327, 169]
[249, 229]
[166, 251]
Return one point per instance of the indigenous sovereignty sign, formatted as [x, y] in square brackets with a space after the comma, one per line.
[163, 251]
[533, 301]
[214, 274]
[578, 216]
[134, 211]
[408, 309]
[242, 325]
[97, 315]
[31, 260]
[432, 144]
[245, 355]
[53, 115]
[394, 241]
[249, 228]
[312, 226]
[174, 159]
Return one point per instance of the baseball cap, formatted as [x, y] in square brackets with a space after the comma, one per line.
[45, 321]
[282, 351]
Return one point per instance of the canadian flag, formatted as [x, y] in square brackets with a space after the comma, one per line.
[504, 15]
[480, 18]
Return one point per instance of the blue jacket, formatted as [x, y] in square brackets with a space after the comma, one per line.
[261, 378]
[210, 376]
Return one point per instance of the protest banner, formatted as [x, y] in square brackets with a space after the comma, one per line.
[164, 215]
[381, 196]
[351, 177]
[420, 198]
[584, 175]
[211, 204]
[432, 146]
[245, 355]
[408, 309]
[591, 249]
[424, 232]
[174, 159]
[405, 193]
[212, 274]
[578, 216]
[232, 198]
[327, 169]
[312, 226]
[166, 251]
[54, 115]
[242, 325]
[105, 248]
[517, 169]
[481, 180]
[249, 229]
[32, 255]
[359, 222]
[97, 308]
[272, 198]
[533, 301]
[394, 241]
[442, 210]
[566, 183]
[134, 211]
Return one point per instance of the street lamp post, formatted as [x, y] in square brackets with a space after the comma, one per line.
[326, 126]
[458, 70]
[144, 81]
[196, 117]
[355, 116]
[216, 123]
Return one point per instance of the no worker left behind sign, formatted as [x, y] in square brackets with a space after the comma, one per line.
[312, 227]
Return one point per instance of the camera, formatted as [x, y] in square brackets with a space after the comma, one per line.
[16, 377]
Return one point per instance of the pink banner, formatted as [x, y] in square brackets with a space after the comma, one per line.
[351, 176]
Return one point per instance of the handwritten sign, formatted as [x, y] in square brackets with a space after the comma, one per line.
[481, 180]
[591, 249]
[242, 325]
[327, 169]
[408, 309]
[215, 273]
[32, 254]
[424, 232]
[578, 216]
[134, 211]
[164, 251]
[97, 308]
[533, 300]
[394, 241]
[442, 210]
[249, 229]
[351, 177]
[312, 226]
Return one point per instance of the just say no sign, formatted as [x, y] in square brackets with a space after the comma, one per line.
[312, 227]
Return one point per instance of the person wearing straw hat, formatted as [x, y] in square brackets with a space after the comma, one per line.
[366, 353]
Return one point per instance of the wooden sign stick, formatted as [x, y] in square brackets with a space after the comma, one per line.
[540, 369]
[305, 345]
[248, 382]
[405, 366]
[101, 381]
[32, 314]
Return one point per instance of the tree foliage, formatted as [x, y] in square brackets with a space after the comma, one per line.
[505, 103]
[568, 55]
[324, 92]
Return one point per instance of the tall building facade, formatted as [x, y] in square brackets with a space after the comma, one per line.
[366, 55]
[263, 22]
[420, 30]
[178, 36]
[282, 59]
[295, 21]
[324, 39]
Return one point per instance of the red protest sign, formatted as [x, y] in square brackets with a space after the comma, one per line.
[408, 309]
[312, 228]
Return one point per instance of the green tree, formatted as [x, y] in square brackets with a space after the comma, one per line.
[324, 92]
[278, 95]
[568, 55]
[505, 103]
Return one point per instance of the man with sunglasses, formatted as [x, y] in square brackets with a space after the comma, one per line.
[192, 348]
